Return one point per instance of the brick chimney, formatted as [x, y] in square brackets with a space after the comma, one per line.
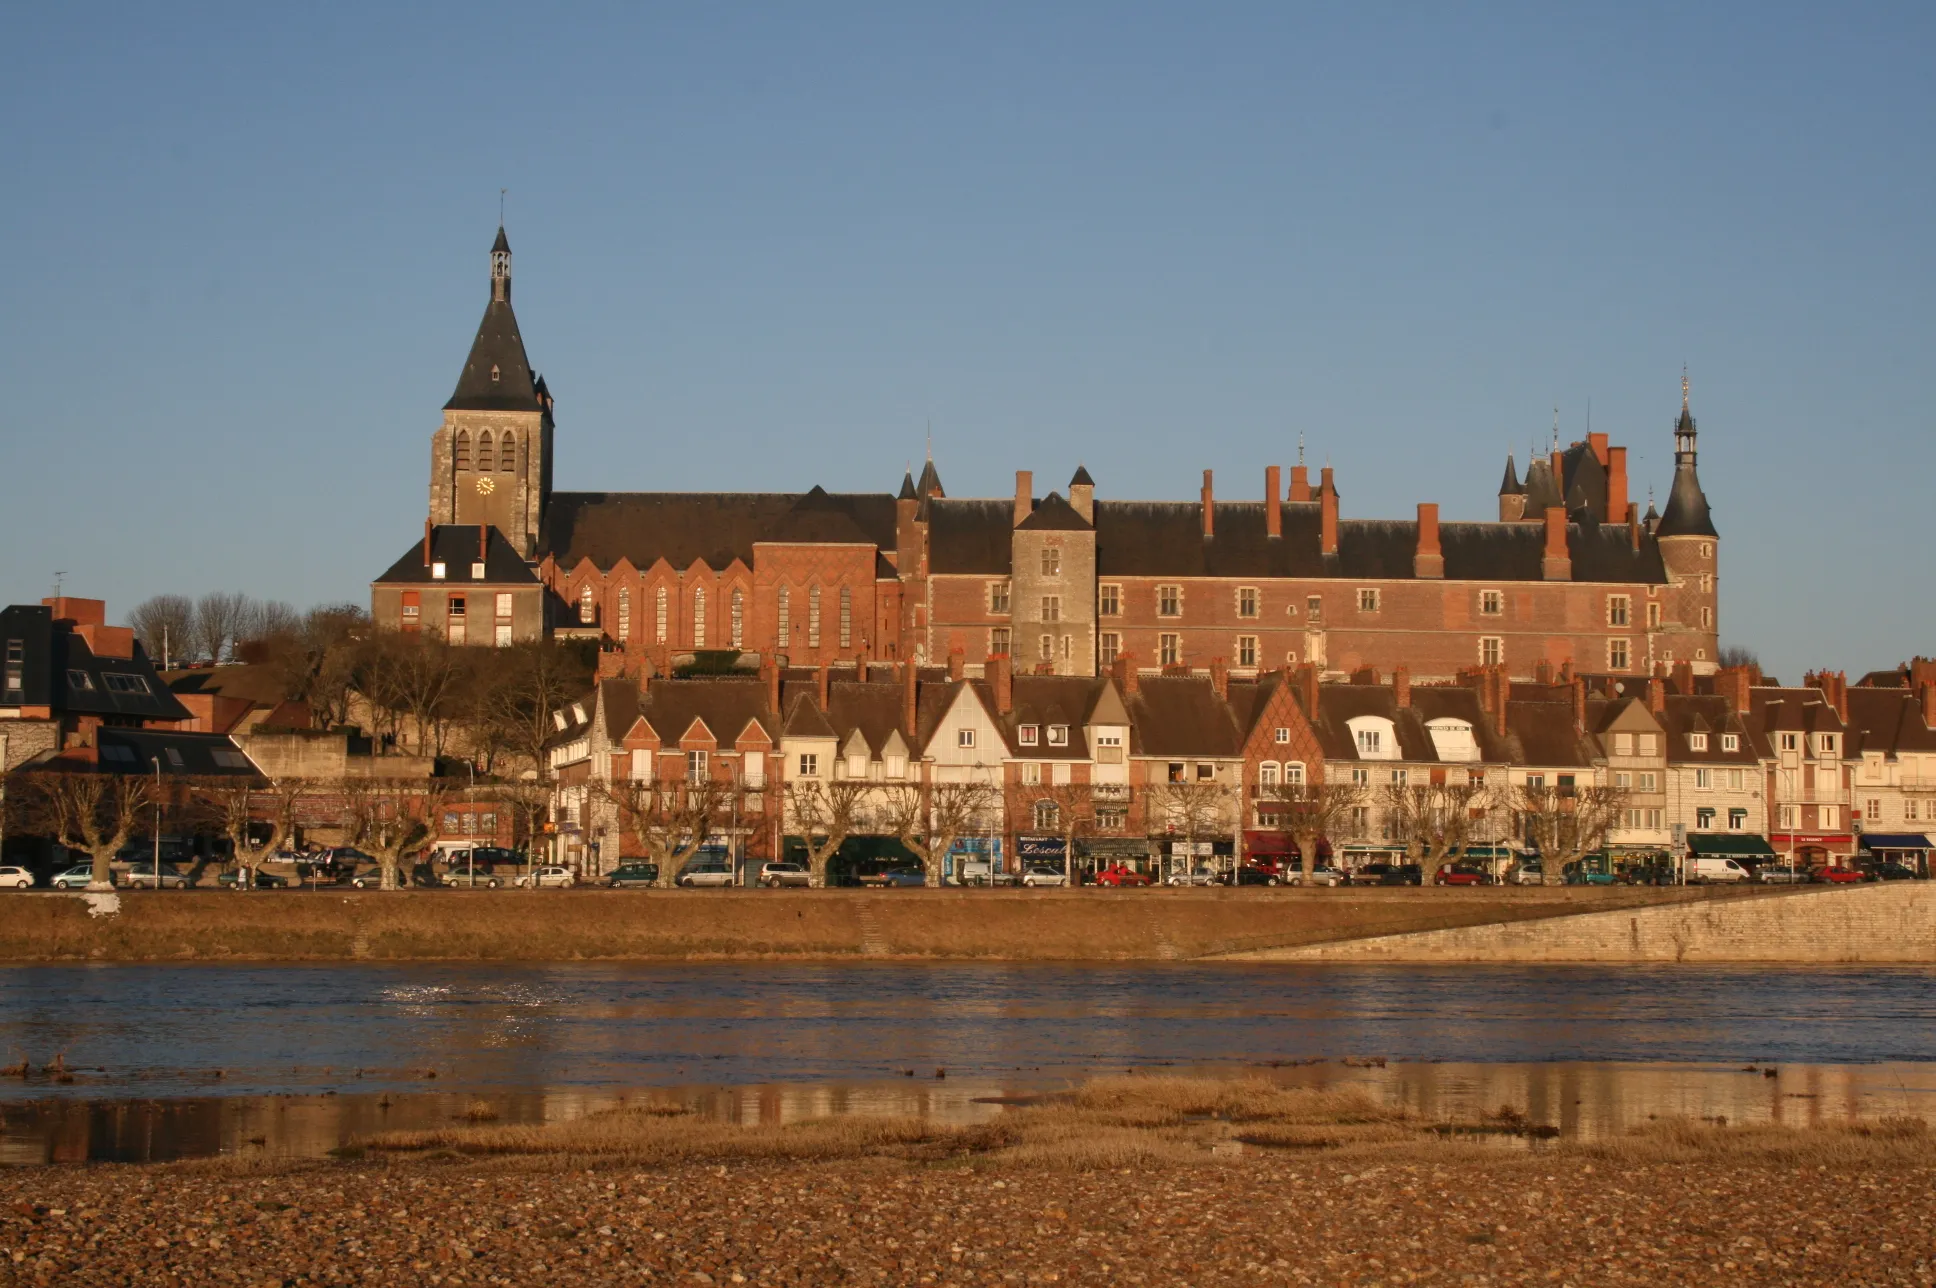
[1633, 528]
[1684, 678]
[1501, 697]
[1927, 693]
[1367, 675]
[1000, 678]
[483, 541]
[957, 662]
[1543, 672]
[1328, 497]
[1429, 560]
[1209, 508]
[823, 683]
[427, 531]
[1733, 683]
[1220, 678]
[1839, 694]
[1921, 671]
[1598, 442]
[1566, 671]
[1307, 689]
[1402, 686]
[1618, 509]
[910, 698]
[1024, 495]
[1300, 483]
[1273, 502]
[1123, 671]
[1558, 564]
[1579, 703]
[770, 678]
[1657, 694]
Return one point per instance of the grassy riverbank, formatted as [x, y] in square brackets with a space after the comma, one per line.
[568, 925]
[1152, 1181]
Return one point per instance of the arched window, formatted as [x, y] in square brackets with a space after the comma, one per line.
[739, 618]
[1267, 774]
[485, 459]
[1047, 817]
[846, 617]
[813, 617]
[507, 452]
[587, 605]
[785, 633]
[624, 616]
[1294, 772]
[462, 452]
[699, 617]
[659, 615]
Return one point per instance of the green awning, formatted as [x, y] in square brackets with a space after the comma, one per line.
[1732, 845]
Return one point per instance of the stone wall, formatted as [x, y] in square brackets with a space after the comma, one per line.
[1894, 923]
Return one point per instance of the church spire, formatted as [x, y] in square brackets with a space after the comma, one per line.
[501, 268]
[497, 375]
[1687, 512]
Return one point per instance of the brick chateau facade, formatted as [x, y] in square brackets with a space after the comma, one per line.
[1064, 583]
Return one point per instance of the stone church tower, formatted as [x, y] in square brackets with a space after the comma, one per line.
[490, 461]
[1690, 548]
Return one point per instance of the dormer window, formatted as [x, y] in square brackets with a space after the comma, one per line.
[1026, 735]
[493, 373]
[1058, 735]
[1697, 742]
[1730, 742]
[477, 571]
[558, 718]
[80, 680]
[438, 570]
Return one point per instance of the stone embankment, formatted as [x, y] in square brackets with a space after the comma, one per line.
[1487, 924]
[1872, 924]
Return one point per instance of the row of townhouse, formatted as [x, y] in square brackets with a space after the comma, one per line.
[1184, 767]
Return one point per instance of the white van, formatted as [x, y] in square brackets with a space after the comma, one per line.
[1702, 868]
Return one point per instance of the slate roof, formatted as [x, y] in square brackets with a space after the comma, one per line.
[1543, 731]
[970, 536]
[1044, 700]
[872, 707]
[725, 703]
[1542, 489]
[1889, 721]
[1181, 716]
[1081, 477]
[455, 546]
[1053, 514]
[1687, 512]
[498, 345]
[135, 751]
[1510, 485]
[684, 528]
[62, 672]
[1712, 715]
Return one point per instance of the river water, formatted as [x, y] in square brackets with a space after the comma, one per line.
[162, 1061]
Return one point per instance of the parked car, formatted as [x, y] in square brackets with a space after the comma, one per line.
[1121, 875]
[15, 879]
[1836, 876]
[788, 873]
[143, 874]
[1776, 874]
[1389, 874]
[477, 878]
[262, 880]
[629, 876]
[1200, 875]
[1526, 872]
[1317, 877]
[551, 875]
[892, 877]
[705, 872]
[76, 878]
[981, 872]
[1894, 872]
[1705, 869]
[1584, 872]
[1044, 874]
[1253, 874]
[1461, 874]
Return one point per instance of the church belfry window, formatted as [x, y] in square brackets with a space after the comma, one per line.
[485, 460]
[462, 452]
[507, 452]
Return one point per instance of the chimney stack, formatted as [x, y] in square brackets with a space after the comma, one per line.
[1300, 483]
[1402, 686]
[1598, 442]
[1328, 496]
[1367, 675]
[1579, 704]
[957, 662]
[1273, 503]
[1734, 683]
[1209, 508]
[1684, 678]
[1024, 495]
[1501, 696]
[910, 698]
[1123, 671]
[1558, 564]
[1618, 509]
[1543, 672]
[1000, 678]
[427, 531]
[483, 541]
[823, 683]
[770, 677]
[1307, 689]
[1633, 528]
[1928, 694]
[1657, 695]
[1220, 678]
[1429, 560]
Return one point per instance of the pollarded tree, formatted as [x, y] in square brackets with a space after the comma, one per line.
[90, 811]
[1190, 810]
[928, 818]
[1065, 810]
[1438, 818]
[390, 817]
[671, 819]
[257, 816]
[1564, 823]
[1312, 811]
[823, 815]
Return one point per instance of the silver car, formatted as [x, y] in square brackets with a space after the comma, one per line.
[1774, 874]
[1197, 876]
[552, 875]
[143, 874]
[1318, 877]
[775, 875]
[77, 878]
[1043, 874]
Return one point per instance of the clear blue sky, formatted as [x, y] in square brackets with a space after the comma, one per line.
[763, 248]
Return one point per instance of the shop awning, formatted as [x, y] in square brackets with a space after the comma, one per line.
[1874, 841]
[1114, 847]
[1733, 845]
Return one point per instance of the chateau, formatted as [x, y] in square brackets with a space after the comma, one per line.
[1063, 583]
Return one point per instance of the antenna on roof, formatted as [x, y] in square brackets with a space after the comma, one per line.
[58, 574]
[1556, 429]
[1683, 388]
[1300, 447]
[1589, 418]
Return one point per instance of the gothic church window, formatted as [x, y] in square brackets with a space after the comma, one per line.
[485, 461]
[659, 613]
[463, 450]
[624, 615]
[786, 618]
[846, 617]
[739, 617]
[507, 453]
[813, 617]
[587, 606]
[699, 617]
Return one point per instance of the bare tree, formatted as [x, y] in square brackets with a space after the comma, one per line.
[428, 680]
[1733, 655]
[670, 819]
[824, 815]
[94, 812]
[165, 625]
[928, 818]
[1189, 810]
[1438, 818]
[237, 805]
[390, 817]
[1311, 812]
[518, 690]
[1566, 822]
[263, 618]
[219, 618]
[1067, 810]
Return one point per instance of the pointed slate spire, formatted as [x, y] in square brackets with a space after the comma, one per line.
[497, 375]
[907, 488]
[1510, 485]
[1687, 513]
[1081, 478]
[930, 484]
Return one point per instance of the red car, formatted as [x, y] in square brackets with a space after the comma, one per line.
[1837, 876]
[1459, 876]
[1117, 874]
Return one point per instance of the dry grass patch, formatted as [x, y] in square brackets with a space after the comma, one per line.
[1882, 1142]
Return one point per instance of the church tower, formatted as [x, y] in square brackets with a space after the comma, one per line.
[490, 461]
[1690, 548]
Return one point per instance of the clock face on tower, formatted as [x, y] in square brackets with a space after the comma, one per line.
[485, 485]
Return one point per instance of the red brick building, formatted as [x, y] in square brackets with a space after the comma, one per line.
[1569, 572]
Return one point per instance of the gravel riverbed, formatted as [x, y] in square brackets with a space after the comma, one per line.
[1459, 1218]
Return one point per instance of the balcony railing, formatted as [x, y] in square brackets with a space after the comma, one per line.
[1107, 793]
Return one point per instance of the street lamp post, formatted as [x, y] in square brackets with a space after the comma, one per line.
[157, 762]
